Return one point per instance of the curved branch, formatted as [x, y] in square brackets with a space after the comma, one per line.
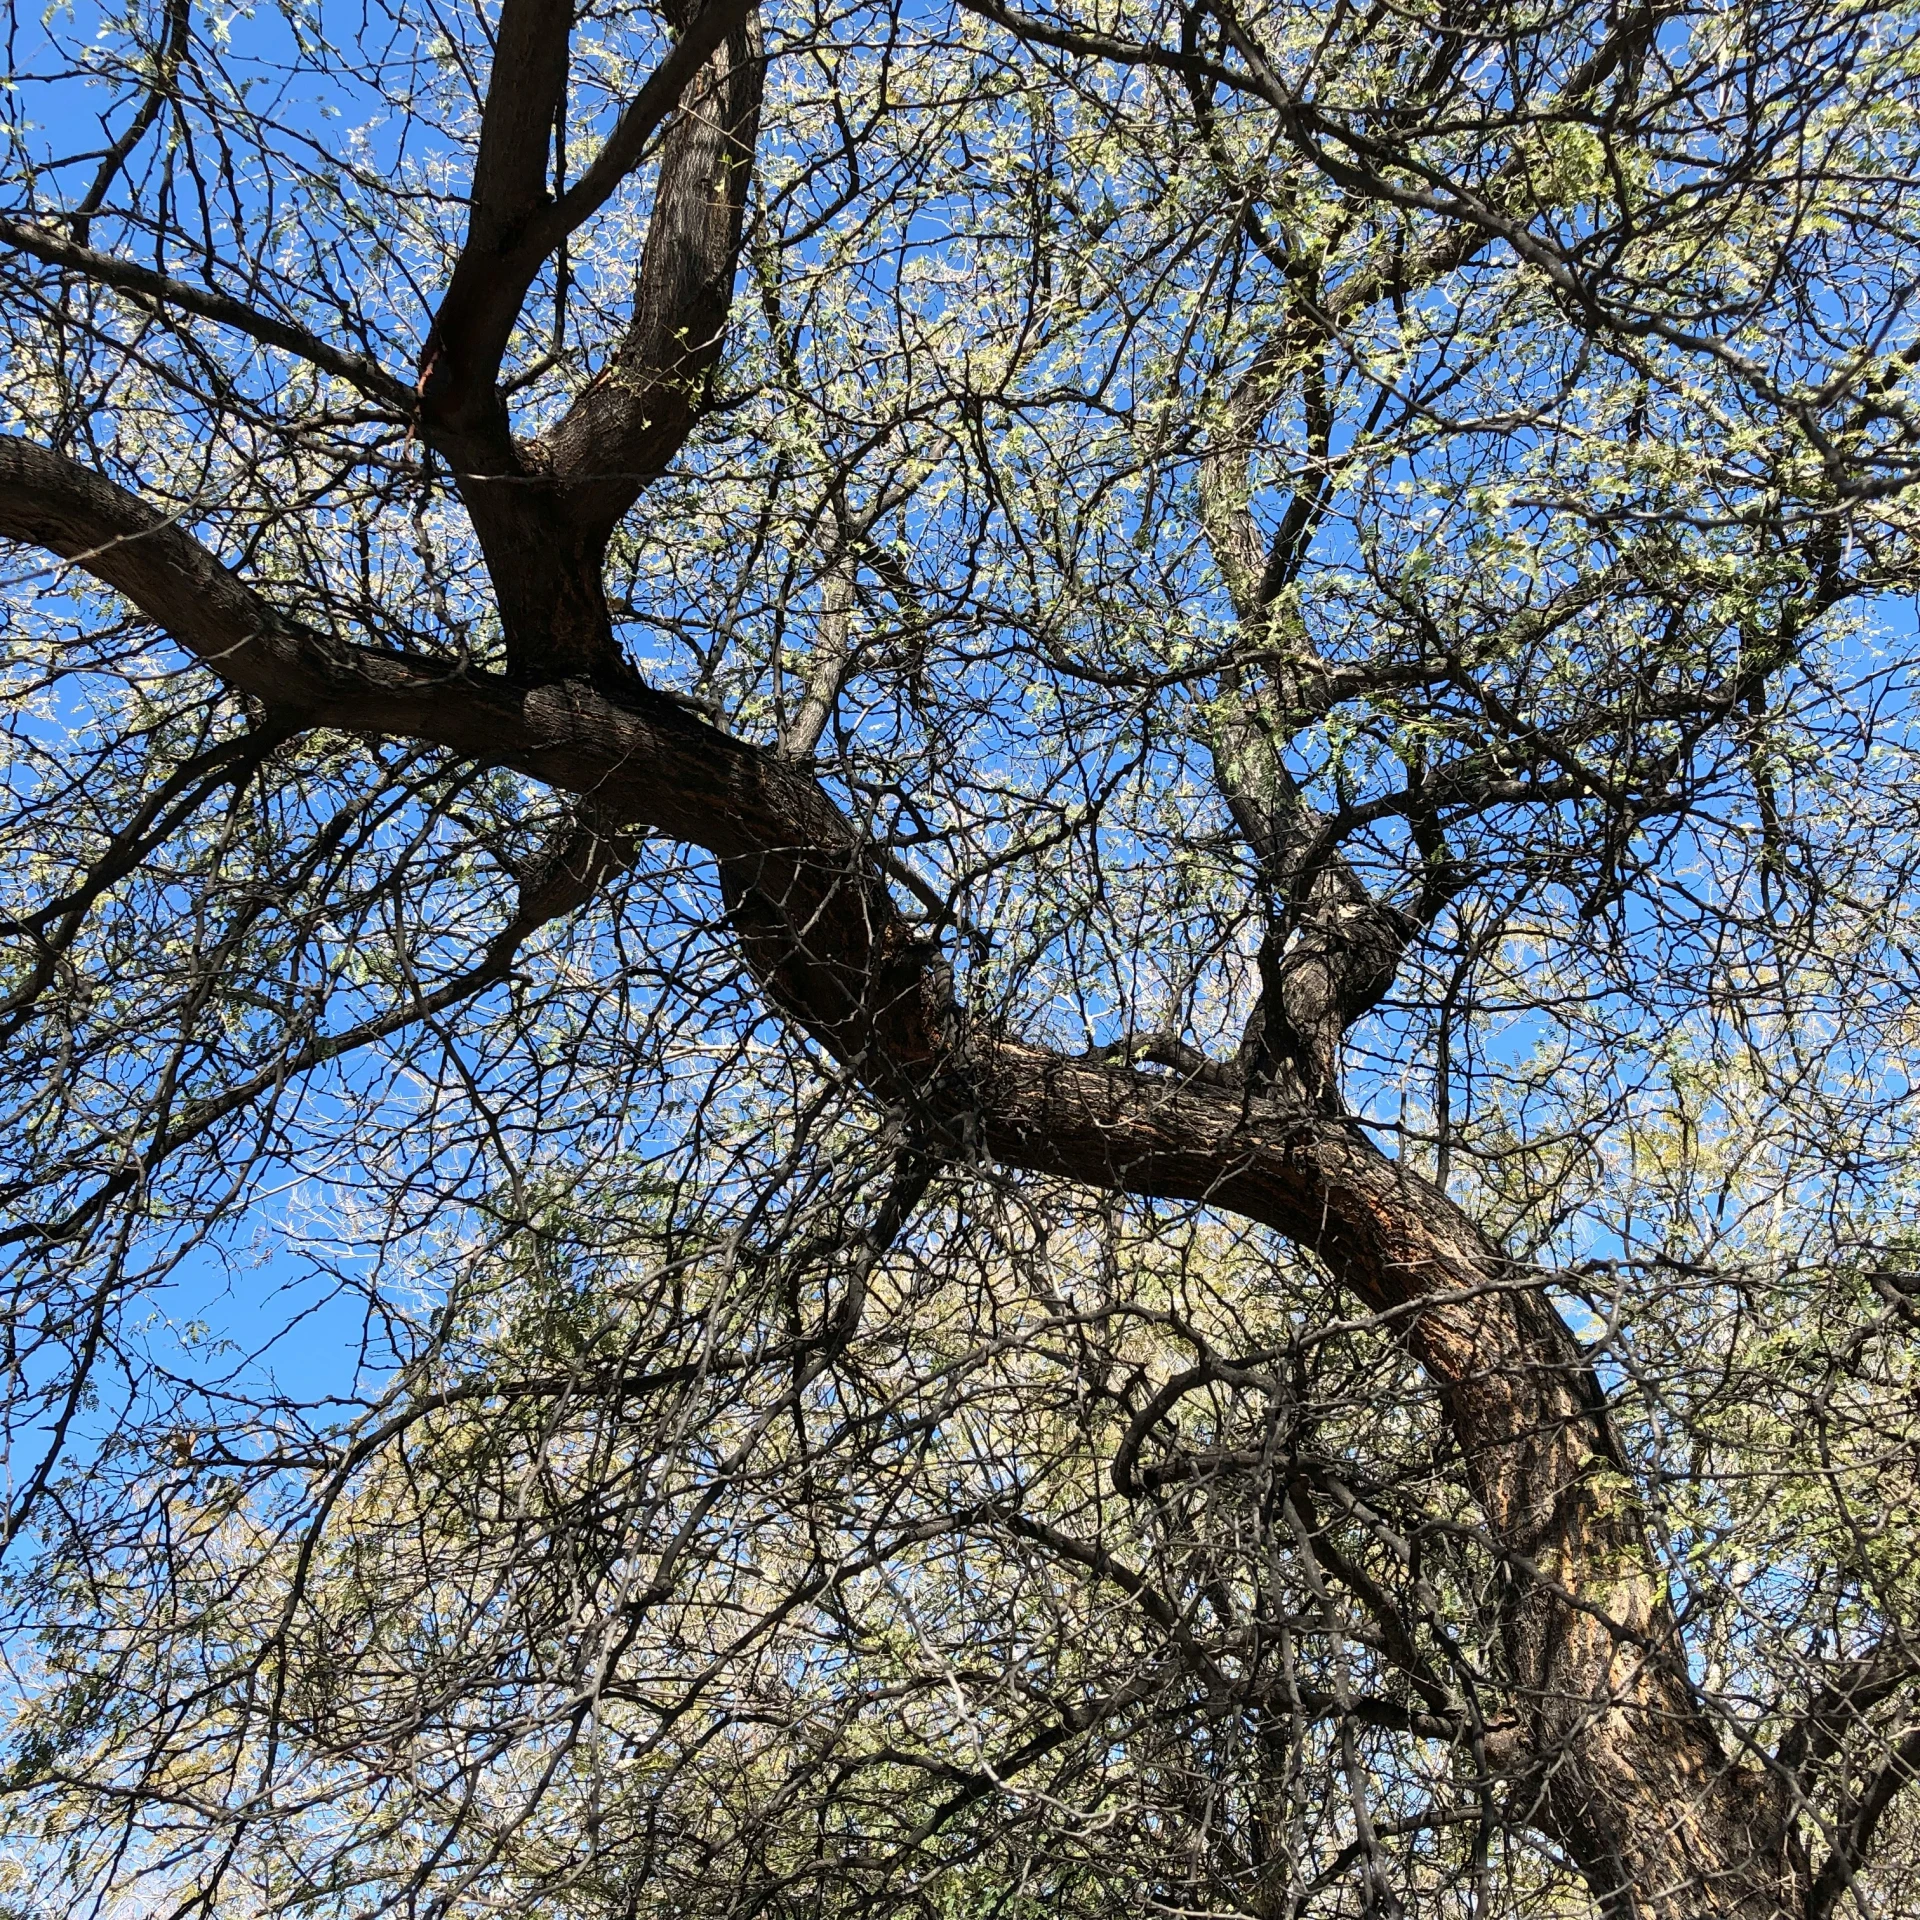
[1819, 1733]
[819, 925]
[126, 276]
[1611, 1722]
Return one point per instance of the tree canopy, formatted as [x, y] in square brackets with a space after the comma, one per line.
[960, 961]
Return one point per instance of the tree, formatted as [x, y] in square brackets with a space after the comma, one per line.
[1068, 857]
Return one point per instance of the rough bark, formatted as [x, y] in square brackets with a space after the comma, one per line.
[1606, 1748]
[543, 512]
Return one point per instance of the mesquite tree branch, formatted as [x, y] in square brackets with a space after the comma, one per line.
[1596, 1659]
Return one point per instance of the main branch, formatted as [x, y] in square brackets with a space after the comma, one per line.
[1608, 1750]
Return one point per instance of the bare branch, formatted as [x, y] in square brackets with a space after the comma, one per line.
[142, 282]
[166, 71]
